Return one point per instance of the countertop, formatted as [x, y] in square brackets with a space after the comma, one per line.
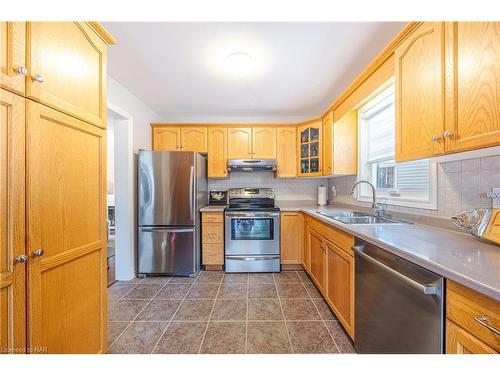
[213, 208]
[457, 256]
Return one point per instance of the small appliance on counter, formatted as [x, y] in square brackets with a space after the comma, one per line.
[217, 198]
[322, 195]
[480, 222]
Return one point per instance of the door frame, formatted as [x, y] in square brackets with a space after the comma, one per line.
[125, 240]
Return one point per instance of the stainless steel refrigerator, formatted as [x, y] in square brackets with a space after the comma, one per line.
[172, 187]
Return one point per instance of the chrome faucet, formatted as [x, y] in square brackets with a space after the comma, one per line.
[377, 209]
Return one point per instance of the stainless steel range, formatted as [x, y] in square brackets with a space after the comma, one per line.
[252, 227]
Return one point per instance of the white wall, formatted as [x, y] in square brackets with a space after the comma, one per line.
[141, 114]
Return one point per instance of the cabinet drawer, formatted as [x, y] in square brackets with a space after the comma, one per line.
[212, 233]
[459, 341]
[212, 254]
[212, 218]
[465, 307]
[340, 238]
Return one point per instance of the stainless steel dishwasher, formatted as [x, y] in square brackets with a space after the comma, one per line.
[398, 305]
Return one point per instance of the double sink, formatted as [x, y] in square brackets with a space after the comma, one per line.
[354, 217]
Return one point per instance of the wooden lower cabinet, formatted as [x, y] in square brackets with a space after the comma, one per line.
[66, 235]
[291, 238]
[316, 245]
[459, 341]
[306, 254]
[340, 284]
[12, 224]
[212, 242]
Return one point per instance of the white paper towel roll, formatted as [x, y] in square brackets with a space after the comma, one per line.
[322, 194]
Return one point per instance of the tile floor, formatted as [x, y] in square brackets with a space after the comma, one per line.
[223, 313]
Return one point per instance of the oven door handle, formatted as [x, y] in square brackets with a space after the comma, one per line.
[252, 258]
[244, 215]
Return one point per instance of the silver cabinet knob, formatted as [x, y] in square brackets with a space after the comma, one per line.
[447, 134]
[21, 259]
[435, 138]
[38, 252]
[38, 78]
[21, 70]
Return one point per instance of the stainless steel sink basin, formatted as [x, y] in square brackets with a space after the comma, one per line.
[361, 218]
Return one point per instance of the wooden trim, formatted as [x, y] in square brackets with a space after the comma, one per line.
[69, 255]
[382, 57]
[102, 32]
[6, 279]
[222, 125]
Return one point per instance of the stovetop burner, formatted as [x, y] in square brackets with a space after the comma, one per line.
[251, 199]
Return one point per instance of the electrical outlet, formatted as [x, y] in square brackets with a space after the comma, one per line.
[495, 196]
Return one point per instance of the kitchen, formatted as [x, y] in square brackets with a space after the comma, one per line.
[269, 229]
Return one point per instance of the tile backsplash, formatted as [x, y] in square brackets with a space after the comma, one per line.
[285, 188]
[462, 185]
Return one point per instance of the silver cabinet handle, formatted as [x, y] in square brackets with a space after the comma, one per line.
[249, 259]
[38, 252]
[38, 78]
[21, 70]
[21, 259]
[426, 289]
[435, 138]
[447, 134]
[483, 321]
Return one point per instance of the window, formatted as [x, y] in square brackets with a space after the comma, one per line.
[411, 184]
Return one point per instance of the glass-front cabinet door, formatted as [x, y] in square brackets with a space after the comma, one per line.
[309, 143]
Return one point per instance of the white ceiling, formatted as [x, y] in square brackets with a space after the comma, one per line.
[301, 67]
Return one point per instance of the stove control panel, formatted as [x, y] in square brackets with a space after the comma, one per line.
[251, 193]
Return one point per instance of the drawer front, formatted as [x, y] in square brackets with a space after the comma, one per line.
[472, 312]
[213, 254]
[340, 238]
[212, 218]
[459, 341]
[212, 233]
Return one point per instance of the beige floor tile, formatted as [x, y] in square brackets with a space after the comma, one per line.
[224, 338]
[324, 310]
[230, 309]
[159, 310]
[125, 309]
[143, 291]
[262, 291]
[233, 291]
[182, 338]
[115, 329]
[119, 289]
[299, 309]
[138, 338]
[181, 280]
[310, 337]
[292, 291]
[210, 277]
[194, 309]
[239, 278]
[203, 291]
[264, 309]
[267, 338]
[343, 342]
[261, 278]
[162, 280]
[313, 291]
[287, 277]
[173, 291]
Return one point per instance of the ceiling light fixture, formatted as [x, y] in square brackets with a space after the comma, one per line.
[239, 63]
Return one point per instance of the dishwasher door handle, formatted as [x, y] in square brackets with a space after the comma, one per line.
[426, 289]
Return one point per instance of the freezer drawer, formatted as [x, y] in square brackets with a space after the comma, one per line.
[257, 263]
[167, 251]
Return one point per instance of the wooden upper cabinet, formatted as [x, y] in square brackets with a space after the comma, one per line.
[473, 85]
[328, 148]
[66, 211]
[291, 238]
[286, 154]
[340, 284]
[194, 139]
[345, 144]
[13, 56]
[264, 143]
[239, 143]
[309, 149]
[419, 80]
[217, 152]
[166, 138]
[12, 224]
[66, 64]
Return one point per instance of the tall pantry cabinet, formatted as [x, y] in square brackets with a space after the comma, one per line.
[53, 187]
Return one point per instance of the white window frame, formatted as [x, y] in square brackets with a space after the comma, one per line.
[365, 168]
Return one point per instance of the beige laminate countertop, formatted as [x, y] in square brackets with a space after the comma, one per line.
[457, 256]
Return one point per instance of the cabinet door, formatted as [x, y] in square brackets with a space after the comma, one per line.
[239, 143]
[166, 139]
[291, 239]
[420, 93]
[328, 144]
[340, 285]
[317, 250]
[286, 152]
[66, 213]
[459, 341]
[217, 152]
[70, 62]
[12, 229]
[306, 249]
[473, 85]
[345, 144]
[194, 139]
[12, 56]
[309, 149]
[264, 143]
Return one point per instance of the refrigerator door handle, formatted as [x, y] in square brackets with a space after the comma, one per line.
[191, 197]
[167, 230]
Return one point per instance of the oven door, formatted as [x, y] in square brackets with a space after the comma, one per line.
[252, 233]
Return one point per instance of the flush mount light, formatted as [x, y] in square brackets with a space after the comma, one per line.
[239, 63]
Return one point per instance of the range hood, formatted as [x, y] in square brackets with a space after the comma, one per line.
[251, 165]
